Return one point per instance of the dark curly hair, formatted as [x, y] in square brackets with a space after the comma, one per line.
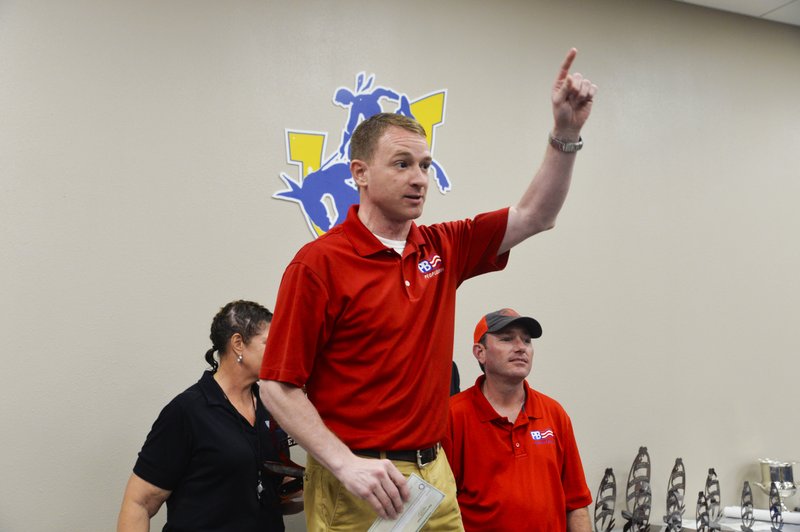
[244, 317]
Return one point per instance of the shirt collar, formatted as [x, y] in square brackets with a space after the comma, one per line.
[211, 390]
[485, 411]
[533, 407]
[365, 243]
[213, 393]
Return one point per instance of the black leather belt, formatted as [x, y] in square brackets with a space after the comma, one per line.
[421, 457]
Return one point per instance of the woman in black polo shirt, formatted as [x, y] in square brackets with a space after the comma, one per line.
[204, 453]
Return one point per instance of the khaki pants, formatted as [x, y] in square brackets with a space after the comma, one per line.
[329, 506]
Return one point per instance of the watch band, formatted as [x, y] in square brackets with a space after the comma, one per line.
[564, 146]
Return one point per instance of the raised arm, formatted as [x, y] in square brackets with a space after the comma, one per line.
[376, 481]
[539, 206]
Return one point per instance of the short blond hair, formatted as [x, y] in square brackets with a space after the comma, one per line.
[365, 137]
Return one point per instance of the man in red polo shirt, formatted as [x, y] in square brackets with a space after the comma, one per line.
[511, 448]
[365, 315]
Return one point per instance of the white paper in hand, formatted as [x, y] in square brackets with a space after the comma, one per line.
[416, 512]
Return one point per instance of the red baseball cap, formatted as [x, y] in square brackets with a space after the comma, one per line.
[500, 319]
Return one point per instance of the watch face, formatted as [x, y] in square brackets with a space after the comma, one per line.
[574, 146]
[566, 147]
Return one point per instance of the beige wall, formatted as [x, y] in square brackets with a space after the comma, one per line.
[140, 144]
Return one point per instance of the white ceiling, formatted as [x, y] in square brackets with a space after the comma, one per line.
[785, 11]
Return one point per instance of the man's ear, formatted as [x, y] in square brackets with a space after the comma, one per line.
[479, 352]
[358, 169]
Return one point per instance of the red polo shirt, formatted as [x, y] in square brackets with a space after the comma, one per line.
[524, 476]
[370, 333]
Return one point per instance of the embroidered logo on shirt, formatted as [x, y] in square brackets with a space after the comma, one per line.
[432, 266]
[540, 437]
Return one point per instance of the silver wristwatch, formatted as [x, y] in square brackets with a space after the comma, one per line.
[564, 146]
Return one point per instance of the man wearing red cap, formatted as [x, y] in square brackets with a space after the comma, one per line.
[511, 448]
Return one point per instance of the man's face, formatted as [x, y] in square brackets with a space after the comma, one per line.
[508, 353]
[396, 180]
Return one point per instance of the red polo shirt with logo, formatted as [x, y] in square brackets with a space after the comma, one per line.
[370, 333]
[521, 476]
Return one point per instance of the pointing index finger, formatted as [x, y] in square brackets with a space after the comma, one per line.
[565, 66]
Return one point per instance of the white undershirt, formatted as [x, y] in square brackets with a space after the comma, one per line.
[397, 245]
